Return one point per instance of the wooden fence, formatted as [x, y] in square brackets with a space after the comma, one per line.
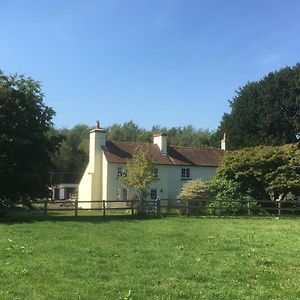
[103, 206]
[168, 207]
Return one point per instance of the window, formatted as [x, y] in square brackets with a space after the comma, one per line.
[185, 173]
[156, 173]
[121, 172]
[153, 194]
[124, 194]
[121, 194]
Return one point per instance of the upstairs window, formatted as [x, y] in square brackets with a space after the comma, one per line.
[121, 172]
[185, 173]
[156, 173]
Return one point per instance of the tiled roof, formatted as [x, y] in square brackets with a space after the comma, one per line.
[120, 152]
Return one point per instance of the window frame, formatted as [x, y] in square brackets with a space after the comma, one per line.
[185, 173]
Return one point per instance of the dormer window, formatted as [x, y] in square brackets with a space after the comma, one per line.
[185, 173]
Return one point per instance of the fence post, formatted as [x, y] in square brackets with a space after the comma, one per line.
[188, 208]
[103, 207]
[45, 207]
[132, 208]
[158, 206]
[248, 208]
[279, 208]
[76, 206]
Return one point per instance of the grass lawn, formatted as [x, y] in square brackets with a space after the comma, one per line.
[168, 258]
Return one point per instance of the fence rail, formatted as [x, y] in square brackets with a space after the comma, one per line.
[164, 206]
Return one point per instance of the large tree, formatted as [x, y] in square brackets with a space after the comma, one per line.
[26, 145]
[266, 112]
[264, 172]
[71, 159]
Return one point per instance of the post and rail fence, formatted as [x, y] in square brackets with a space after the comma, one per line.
[170, 207]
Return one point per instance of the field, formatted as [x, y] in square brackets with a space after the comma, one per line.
[167, 258]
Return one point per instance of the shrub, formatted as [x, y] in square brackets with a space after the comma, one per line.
[229, 198]
[195, 192]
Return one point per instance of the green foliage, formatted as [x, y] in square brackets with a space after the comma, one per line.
[25, 141]
[265, 112]
[195, 193]
[139, 172]
[128, 132]
[193, 190]
[264, 172]
[71, 159]
[179, 136]
[228, 196]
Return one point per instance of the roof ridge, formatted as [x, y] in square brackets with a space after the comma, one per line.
[131, 142]
[206, 148]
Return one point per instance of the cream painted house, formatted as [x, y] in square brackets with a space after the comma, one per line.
[174, 165]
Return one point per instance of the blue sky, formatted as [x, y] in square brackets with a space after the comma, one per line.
[165, 62]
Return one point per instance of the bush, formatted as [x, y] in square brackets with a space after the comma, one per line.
[195, 192]
[229, 198]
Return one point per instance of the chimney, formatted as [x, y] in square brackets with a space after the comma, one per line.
[160, 139]
[223, 142]
[97, 140]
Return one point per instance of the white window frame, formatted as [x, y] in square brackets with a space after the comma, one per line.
[185, 173]
[121, 172]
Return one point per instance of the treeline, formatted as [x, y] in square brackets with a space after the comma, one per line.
[71, 159]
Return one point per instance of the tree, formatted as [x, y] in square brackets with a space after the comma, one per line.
[139, 174]
[264, 172]
[180, 136]
[26, 145]
[128, 132]
[266, 112]
[71, 159]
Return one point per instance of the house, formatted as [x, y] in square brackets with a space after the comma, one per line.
[63, 191]
[174, 165]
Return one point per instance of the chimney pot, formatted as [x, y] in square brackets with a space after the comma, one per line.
[97, 124]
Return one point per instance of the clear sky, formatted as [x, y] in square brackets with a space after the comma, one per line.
[165, 62]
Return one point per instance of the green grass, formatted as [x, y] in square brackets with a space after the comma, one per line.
[168, 258]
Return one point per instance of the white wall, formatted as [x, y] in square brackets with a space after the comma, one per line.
[85, 189]
[175, 181]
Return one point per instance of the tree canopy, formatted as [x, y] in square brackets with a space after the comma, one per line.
[264, 172]
[139, 172]
[26, 145]
[179, 136]
[71, 159]
[266, 112]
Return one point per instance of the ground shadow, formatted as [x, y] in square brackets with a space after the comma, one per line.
[16, 217]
